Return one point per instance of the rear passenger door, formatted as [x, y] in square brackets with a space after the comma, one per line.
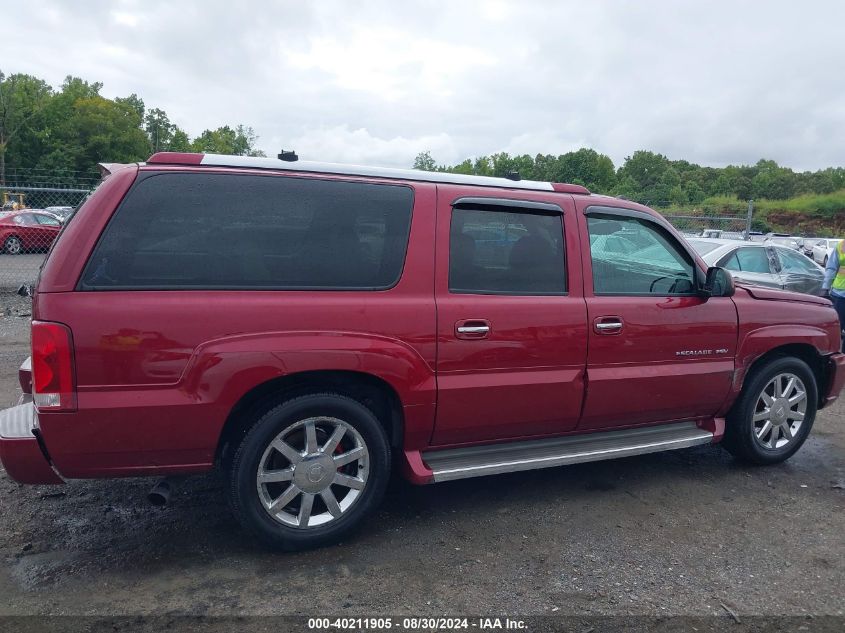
[511, 319]
[658, 351]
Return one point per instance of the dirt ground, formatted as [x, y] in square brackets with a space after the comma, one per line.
[688, 532]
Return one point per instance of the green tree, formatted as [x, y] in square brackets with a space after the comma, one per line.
[424, 162]
[22, 102]
[133, 101]
[239, 141]
[108, 131]
[772, 181]
[587, 167]
[179, 140]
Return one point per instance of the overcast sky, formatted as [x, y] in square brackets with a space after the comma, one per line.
[377, 82]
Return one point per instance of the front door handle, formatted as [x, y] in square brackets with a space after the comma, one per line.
[472, 329]
[607, 325]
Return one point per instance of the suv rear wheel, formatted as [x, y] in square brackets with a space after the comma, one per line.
[775, 412]
[309, 471]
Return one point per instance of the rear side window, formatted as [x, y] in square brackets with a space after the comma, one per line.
[216, 231]
[506, 252]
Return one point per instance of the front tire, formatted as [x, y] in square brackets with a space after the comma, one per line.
[774, 413]
[309, 471]
[13, 245]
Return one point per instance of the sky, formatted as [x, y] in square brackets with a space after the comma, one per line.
[372, 82]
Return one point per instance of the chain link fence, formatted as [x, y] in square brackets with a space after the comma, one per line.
[711, 221]
[30, 220]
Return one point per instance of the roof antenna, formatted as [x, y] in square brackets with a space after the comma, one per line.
[513, 175]
[288, 155]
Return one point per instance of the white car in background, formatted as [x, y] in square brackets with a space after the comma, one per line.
[822, 248]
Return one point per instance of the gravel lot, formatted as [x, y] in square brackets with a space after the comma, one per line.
[687, 532]
[18, 269]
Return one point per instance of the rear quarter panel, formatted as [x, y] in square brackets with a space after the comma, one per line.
[158, 372]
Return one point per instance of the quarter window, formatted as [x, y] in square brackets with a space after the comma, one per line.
[506, 252]
[242, 231]
[636, 257]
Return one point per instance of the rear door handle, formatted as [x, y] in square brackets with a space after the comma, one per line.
[608, 325]
[472, 329]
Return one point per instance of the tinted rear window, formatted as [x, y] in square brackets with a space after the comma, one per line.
[220, 231]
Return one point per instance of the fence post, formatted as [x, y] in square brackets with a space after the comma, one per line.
[747, 235]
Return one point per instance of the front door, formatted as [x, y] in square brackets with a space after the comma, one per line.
[511, 318]
[658, 352]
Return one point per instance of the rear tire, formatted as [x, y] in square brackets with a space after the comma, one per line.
[824, 263]
[309, 471]
[13, 245]
[774, 413]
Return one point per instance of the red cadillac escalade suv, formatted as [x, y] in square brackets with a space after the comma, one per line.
[309, 328]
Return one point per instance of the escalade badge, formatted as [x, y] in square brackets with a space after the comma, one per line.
[701, 352]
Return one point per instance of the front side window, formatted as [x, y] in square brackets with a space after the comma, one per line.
[506, 252]
[216, 231]
[636, 257]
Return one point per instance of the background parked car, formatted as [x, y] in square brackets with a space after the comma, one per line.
[765, 264]
[27, 231]
[781, 239]
[822, 248]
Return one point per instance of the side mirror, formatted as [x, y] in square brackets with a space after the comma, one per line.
[719, 283]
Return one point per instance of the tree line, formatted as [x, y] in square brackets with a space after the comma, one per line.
[650, 177]
[74, 127]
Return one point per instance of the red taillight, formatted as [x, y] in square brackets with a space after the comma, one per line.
[53, 381]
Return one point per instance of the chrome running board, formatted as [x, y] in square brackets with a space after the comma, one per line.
[492, 459]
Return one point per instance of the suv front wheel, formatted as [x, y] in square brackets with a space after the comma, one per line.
[775, 412]
[309, 471]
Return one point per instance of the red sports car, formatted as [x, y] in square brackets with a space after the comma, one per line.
[27, 231]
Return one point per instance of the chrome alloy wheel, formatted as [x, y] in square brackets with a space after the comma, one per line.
[312, 472]
[14, 246]
[779, 412]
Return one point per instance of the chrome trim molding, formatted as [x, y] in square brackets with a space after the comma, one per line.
[493, 459]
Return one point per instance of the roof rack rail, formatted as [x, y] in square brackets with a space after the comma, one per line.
[260, 162]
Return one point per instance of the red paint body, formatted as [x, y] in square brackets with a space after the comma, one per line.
[158, 373]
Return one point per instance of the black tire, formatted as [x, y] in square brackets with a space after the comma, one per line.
[824, 263]
[740, 436]
[243, 490]
[13, 245]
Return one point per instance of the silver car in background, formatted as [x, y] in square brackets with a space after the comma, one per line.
[762, 264]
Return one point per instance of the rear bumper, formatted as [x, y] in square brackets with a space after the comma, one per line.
[835, 379]
[20, 451]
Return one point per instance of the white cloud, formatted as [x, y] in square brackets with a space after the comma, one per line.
[341, 144]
